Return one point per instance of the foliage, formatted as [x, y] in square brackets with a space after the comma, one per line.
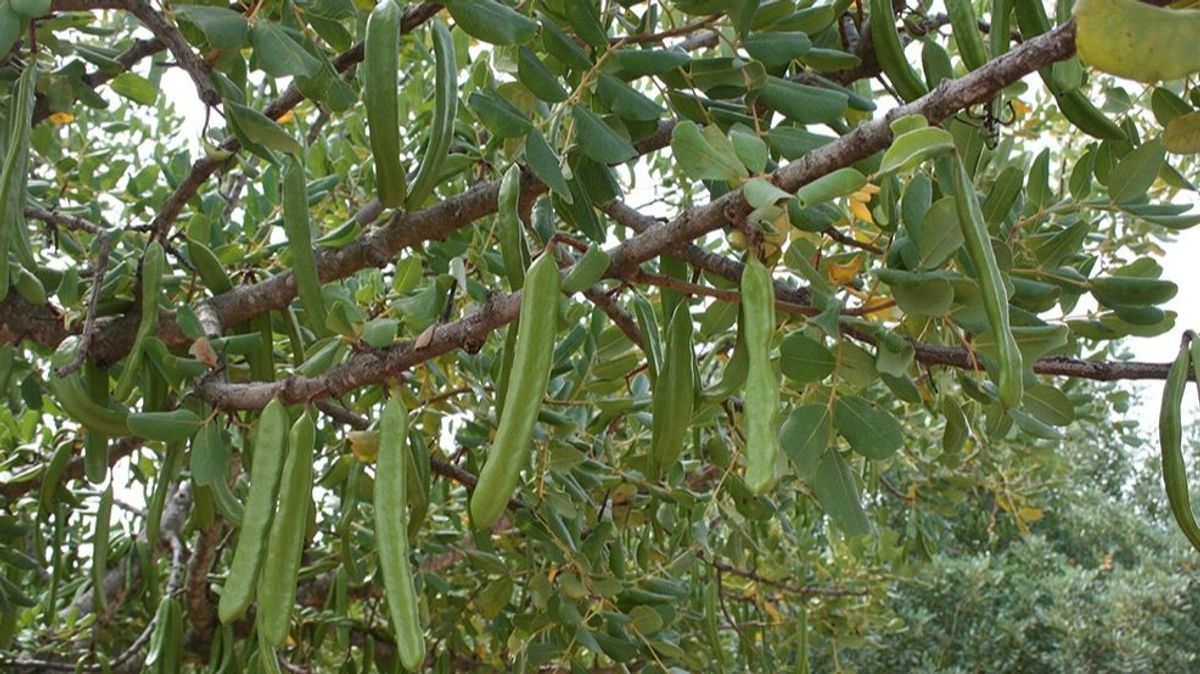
[1105, 583]
[670, 465]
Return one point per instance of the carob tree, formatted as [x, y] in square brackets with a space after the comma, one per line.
[559, 335]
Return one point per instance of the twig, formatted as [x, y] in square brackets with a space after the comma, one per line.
[734, 296]
[129, 508]
[233, 194]
[89, 321]
[607, 303]
[616, 313]
[465, 478]
[343, 416]
[116, 451]
[314, 131]
[179, 48]
[894, 491]
[128, 659]
[688, 29]
[64, 220]
[443, 396]
[847, 240]
[140, 50]
[803, 590]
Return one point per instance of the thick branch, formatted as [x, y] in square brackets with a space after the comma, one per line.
[39, 323]
[871, 137]
[698, 257]
[373, 249]
[198, 600]
[948, 98]
[467, 333]
[408, 229]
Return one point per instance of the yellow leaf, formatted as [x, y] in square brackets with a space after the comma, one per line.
[286, 117]
[1022, 527]
[783, 224]
[60, 118]
[770, 610]
[737, 238]
[861, 212]
[880, 314]
[844, 273]
[1030, 514]
[1020, 109]
[1182, 135]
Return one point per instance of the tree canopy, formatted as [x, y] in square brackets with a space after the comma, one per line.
[577, 336]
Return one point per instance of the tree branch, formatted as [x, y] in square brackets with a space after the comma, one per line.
[408, 229]
[89, 321]
[732, 296]
[804, 590]
[947, 99]
[185, 58]
[197, 598]
[644, 38]
[174, 516]
[43, 324]
[930, 354]
[74, 470]
[698, 257]
[129, 660]
[39, 323]
[374, 248]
